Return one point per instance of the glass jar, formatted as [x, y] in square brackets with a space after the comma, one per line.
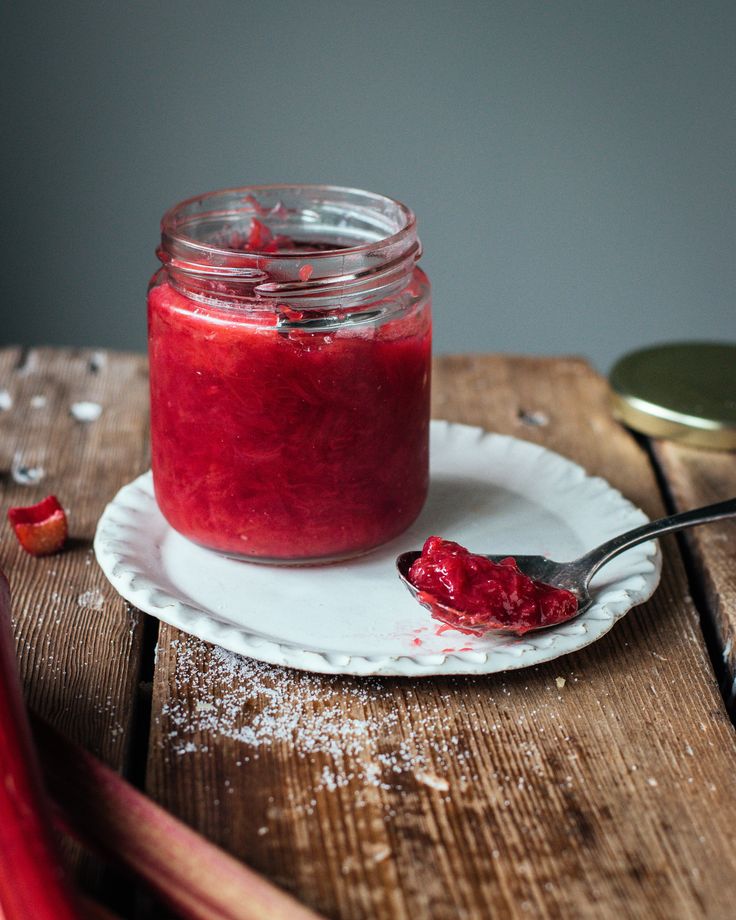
[289, 342]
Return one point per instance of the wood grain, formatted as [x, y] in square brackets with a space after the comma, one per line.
[700, 477]
[508, 796]
[79, 643]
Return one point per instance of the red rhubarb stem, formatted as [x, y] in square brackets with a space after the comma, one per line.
[32, 884]
[190, 874]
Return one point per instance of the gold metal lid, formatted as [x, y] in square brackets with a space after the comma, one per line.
[684, 391]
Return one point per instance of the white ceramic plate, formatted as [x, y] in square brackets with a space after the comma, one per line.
[490, 492]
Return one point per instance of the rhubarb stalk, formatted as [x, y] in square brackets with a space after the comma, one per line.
[192, 875]
[32, 884]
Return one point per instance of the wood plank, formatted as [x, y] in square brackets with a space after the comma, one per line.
[700, 477]
[509, 795]
[79, 643]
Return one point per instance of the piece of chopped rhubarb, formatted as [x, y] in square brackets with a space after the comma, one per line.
[41, 529]
[259, 237]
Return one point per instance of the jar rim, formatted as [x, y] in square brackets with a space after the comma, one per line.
[173, 219]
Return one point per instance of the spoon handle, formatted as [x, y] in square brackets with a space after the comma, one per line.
[592, 561]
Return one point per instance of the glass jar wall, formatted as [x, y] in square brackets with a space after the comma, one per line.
[289, 342]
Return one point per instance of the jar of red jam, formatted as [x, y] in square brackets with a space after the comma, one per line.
[289, 341]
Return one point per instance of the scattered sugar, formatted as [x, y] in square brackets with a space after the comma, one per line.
[433, 781]
[377, 852]
[29, 365]
[6, 401]
[24, 474]
[97, 361]
[92, 600]
[86, 411]
[38, 402]
[534, 419]
[327, 720]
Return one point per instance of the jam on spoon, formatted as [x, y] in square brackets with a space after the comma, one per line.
[474, 595]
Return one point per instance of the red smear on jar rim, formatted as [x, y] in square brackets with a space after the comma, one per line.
[470, 593]
[41, 529]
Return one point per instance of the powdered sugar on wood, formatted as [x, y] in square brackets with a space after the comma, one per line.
[329, 720]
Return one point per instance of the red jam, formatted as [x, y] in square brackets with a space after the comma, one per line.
[475, 595]
[286, 444]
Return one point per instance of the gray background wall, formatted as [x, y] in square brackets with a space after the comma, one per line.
[571, 163]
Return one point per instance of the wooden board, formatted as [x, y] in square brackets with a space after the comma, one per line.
[599, 785]
[79, 643]
[701, 477]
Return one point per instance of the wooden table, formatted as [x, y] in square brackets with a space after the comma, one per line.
[600, 785]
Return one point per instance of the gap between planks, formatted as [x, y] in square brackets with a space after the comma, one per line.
[692, 478]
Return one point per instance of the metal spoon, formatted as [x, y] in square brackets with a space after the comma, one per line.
[575, 576]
